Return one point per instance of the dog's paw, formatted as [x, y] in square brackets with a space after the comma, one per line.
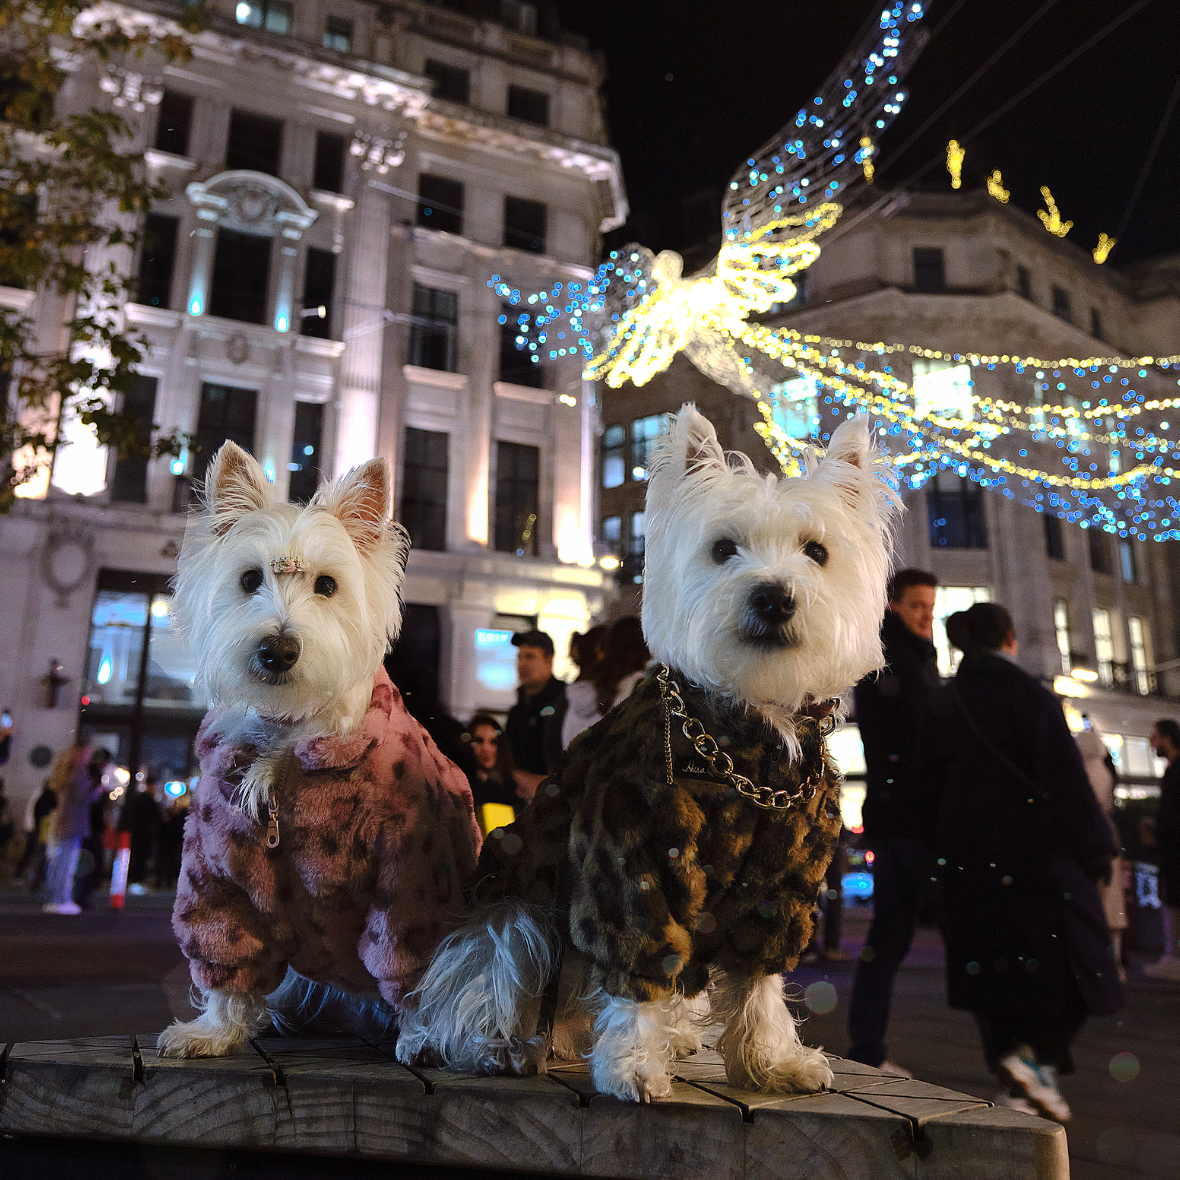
[805, 1072]
[199, 1038]
[640, 1082]
[516, 1056]
[685, 1042]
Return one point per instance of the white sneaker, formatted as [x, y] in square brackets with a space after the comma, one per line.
[1167, 968]
[1015, 1102]
[895, 1070]
[1037, 1082]
[61, 907]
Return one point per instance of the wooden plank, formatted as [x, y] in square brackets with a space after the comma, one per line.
[997, 1143]
[530, 1124]
[77, 1088]
[206, 1101]
[826, 1137]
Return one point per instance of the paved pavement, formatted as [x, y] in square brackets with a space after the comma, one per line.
[105, 973]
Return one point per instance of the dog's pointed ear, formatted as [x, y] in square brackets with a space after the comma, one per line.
[360, 501]
[848, 464]
[692, 445]
[234, 486]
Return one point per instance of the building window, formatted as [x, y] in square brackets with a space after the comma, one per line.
[450, 82]
[954, 504]
[645, 432]
[518, 16]
[338, 34]
[20, 221]
[612, 533]
[948, 600]
[929, 271]
[794, 406]
[1061, 307]
[276, 16]
[614, 463]
[1054, 537]
[319, 282]
[157, 260]
[174, 121]
[139, 693]
[255, 142]
[306, 443]
[1064, 637]
[440, 203]
[518, 363]
[524, 224]
[129, 482]
[1141, 658]
[1128, 566]
[943, 389]
[1104, 646]
[530, 106]
[241, 277]
[434, 328]
[425, 470]
[1095, 323]
[518, 479]
[227, 412]
[329, 162]
[1099, 551]
[1023, 282]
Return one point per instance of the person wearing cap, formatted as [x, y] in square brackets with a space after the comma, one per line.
[534, 722]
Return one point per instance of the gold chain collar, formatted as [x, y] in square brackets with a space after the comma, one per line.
[721, 763]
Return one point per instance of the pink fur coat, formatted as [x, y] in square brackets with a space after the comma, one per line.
[376, 839]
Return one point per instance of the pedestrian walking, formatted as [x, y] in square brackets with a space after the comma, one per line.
[140, 817]
[70, 781]
[1021, 845]
[534, 722]
[171, 842]
[40, 818]
[7, 837]
[1101, 773]
[586, 652]
[94, 844]
[890, 709]
[1165, 741]
[624, 658]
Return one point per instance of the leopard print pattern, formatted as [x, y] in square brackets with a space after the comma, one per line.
[660, 881]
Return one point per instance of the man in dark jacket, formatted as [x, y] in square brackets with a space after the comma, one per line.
[1165, 741]
[534, 722]
[889, 710]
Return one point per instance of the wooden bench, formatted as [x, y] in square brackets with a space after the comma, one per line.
[346, 1098]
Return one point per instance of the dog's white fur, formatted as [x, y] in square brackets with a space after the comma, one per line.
[477, 1005]
[344, 533]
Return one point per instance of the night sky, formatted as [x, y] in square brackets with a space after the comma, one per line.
[695, 85]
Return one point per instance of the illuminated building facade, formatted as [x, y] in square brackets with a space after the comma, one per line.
[346, 178]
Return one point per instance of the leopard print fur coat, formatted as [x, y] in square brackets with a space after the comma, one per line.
[656, 880]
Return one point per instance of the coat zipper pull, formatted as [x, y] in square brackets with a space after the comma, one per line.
[272, 827]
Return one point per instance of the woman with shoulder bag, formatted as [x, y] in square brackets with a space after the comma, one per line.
[1021, 846]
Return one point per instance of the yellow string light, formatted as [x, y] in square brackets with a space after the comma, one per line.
[954, 162]
[866, 161]
[1050, 217]
[995, 187]
[1105, 245]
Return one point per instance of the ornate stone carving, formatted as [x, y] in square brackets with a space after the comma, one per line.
[131, 89]
[67, 559]
[237, 348]
[252, 202]
[378, 154]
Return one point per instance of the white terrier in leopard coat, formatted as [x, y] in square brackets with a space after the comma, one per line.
[680, 846]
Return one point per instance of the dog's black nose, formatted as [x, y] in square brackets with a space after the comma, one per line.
[279, 653]
[772, 603]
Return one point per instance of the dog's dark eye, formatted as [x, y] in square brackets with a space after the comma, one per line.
[816, 552]
[723, 550]
[325, 585]
[251, 580]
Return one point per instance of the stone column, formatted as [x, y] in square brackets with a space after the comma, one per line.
[291, 230]
[209, 208]
[364, 330]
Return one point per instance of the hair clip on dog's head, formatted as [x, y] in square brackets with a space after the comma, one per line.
[286, 565]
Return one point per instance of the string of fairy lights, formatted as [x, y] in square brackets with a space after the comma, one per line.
[1088, 439]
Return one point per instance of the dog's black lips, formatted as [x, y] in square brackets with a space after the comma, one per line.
[758, 634]
[272, 679]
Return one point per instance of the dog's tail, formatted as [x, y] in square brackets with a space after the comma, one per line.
[302, 1007]
[477, 1004]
